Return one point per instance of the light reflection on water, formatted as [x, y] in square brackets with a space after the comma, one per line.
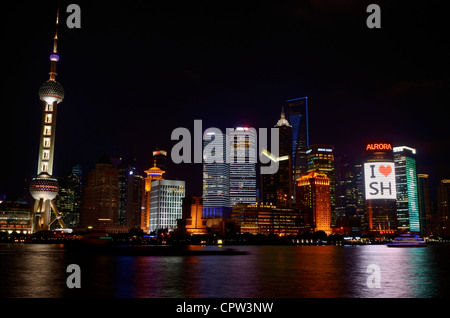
[36, 271]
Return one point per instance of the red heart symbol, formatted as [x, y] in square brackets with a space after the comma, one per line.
[385, 170]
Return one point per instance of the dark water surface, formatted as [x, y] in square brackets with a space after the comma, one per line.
[39, 271]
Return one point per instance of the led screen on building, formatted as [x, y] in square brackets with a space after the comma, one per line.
[380, 180]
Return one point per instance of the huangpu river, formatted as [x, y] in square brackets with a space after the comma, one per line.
[40, 271]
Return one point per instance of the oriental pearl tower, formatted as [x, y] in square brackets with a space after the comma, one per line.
[44, 188]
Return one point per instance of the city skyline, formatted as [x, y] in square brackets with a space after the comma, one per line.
[126, 100]
[331, 181]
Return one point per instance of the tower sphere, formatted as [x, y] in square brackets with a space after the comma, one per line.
[44, 187]
[51, 91]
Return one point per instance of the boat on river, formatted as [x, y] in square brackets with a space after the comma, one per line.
[408, 240]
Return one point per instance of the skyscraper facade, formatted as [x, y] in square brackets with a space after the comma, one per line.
[444, 207]
[166, 204]
[380, 187]
[423, 192]
[69, 197]
[216, 177]
[153, 174]
[298, 118]
[130, 197]
[313, 198]
[100, 197]
[321, 158]
[407, 189]
[350, 202]
[276, 189]
[242, 161]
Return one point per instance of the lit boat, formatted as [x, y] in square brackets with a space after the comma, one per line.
[408, 240]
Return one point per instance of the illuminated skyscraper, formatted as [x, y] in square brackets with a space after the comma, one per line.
[407, 197]
[153, 174]
[216, 177]
[298, 118]
[313, 198]
[69, 197]
[380, 187]
[242, 161]
[166, 204]
[321, 158]
[276, 189]
[44, 188]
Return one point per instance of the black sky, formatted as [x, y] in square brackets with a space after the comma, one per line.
[137, 70]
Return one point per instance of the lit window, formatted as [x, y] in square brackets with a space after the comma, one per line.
[48, 118]
[49, 108]
[47, 142]
[47, 131]
[45, 166]
[46, 155]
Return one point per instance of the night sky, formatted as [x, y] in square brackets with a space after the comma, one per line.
[137, 70]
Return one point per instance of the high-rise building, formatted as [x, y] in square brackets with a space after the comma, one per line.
[380, 187]
[44, 188]
[153, 174]
[242, 161]
[321, 158]
[313, 198]
[100, 197]
[276, 189]
[444, 207]
[166, 201]
[298, 118]
[407, 189]
[69, 197]
[216, 177]
[350, 202]
[130, 198]
[423, 191]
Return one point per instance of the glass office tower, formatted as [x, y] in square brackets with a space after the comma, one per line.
[276, 188]
[298, 118]
[242, 160]
[423, 192]
[216, 177]
[407, 188]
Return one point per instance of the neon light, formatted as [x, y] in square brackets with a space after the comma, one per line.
[380, 146]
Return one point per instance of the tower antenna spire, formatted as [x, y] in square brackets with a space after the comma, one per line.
[54, 57]
[55, 43]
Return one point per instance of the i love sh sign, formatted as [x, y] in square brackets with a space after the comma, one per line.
[380, 180]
